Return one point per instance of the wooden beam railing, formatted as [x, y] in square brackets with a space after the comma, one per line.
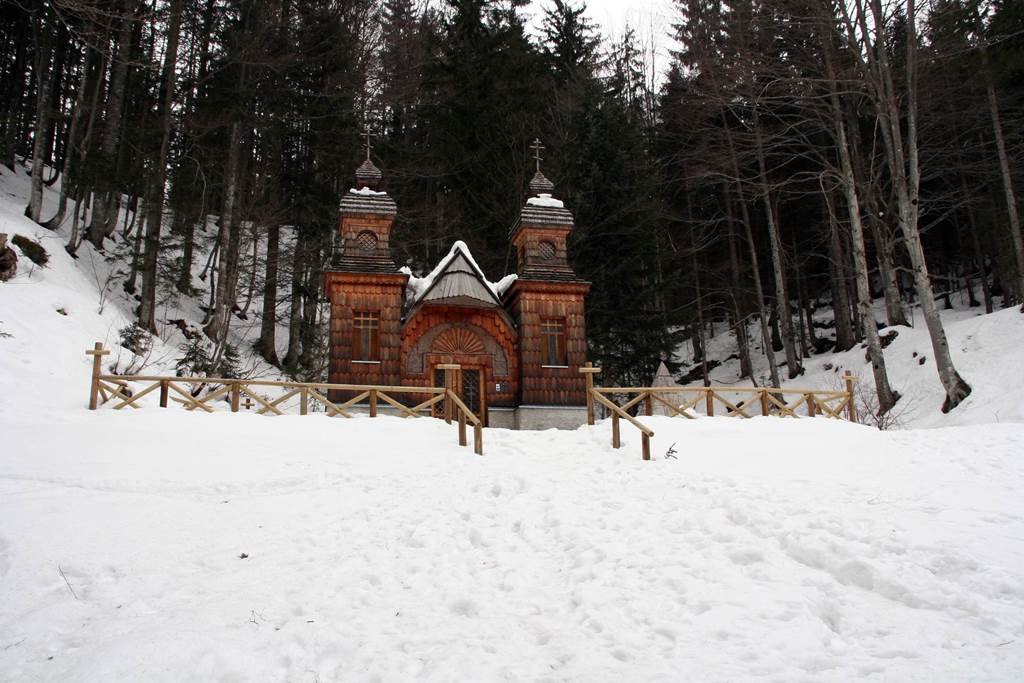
[744, 402]
[105, 388]
[620, 413]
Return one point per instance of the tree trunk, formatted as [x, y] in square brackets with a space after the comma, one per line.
[251, 289]
[291, 357]
[40, 156]
[979, 256]
[1004, 162]
[155, 204]
[310, 306]
[903, 162]
[267, 345]
[886, 396]
[108, 195]
[71, 151]
[81, 210]
[885, 254]
[739, 320]
[184, 281]
[227, 236]
[773, 366]
[14, 90]
[837, 279]
[781, 295]
[885, 244]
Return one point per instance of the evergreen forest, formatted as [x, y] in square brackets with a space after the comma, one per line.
[790, 155]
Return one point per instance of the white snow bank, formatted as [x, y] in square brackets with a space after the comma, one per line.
[545, 199]
[379, 549]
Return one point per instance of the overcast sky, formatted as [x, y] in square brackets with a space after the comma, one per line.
[651, 19]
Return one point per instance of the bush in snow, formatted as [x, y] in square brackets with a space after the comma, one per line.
[229, 366]
[195, 360]
[136, 339]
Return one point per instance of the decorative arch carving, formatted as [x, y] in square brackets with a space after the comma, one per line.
[456, 339]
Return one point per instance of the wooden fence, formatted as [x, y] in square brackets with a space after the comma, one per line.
[686, 401]
[105, 388]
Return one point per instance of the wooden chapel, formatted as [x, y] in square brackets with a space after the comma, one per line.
[520, 341]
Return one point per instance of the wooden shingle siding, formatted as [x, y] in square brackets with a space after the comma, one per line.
[531, 303]
[356, 292]
[487, 341]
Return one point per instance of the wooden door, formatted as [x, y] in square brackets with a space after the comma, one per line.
[471, 389]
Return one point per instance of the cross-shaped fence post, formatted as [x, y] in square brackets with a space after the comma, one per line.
[97, 352]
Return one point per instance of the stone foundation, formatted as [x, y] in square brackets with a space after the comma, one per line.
[501, 418]
[523, 417]
[550, 417]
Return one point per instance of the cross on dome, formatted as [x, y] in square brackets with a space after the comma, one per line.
[368, 176]
[537, 148]
[368, 144]
[539, 184]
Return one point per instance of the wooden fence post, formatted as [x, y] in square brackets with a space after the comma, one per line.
[615, 430]
[648, 408]
[851, 406]
[478, 438]
[373, 403]
[236, 394]
[462, 428]
[589, 370]
[810, 404]
[97, 354]
[709, 402]
[450, 386]
[646, 444]
[163, 392]
[303, 400]
[764, 401]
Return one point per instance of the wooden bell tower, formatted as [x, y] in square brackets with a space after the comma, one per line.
[547, 301]
[365, 287]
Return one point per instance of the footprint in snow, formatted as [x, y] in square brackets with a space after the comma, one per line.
[464, 608]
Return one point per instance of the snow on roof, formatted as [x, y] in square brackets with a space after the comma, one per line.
[545, 199]
[367, 192]
[418, 286]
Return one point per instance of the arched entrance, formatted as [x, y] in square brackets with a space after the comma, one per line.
[462, 345]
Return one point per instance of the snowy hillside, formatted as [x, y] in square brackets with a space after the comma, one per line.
[162, 545]
[988, 351]
[54, 313]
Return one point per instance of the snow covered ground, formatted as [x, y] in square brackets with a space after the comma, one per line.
[161, 545]
[380, 550]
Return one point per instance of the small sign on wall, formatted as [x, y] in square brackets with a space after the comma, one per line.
[500, 387]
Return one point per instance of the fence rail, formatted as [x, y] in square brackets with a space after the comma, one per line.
[684, 402]
[105, 388]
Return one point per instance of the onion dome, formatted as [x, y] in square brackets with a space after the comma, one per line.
[368, 176]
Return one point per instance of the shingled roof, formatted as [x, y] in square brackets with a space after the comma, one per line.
[457, 280]
[366, 200]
